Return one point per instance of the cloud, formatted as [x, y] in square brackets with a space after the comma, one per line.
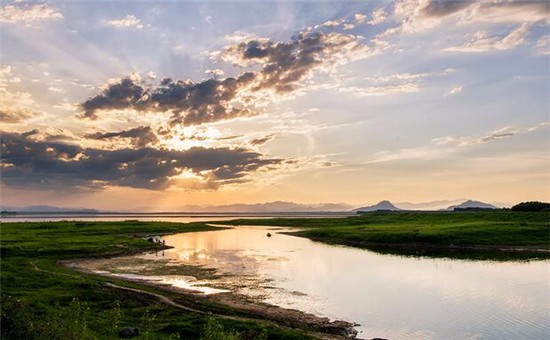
[240, 36]
[519, 11]
[284, 68]
[55, 89]
[382, 90]
[190, 103]
[455, 90]
[441, 8]
[59, 137]
[215, 72]
[397, 77]
[16, 106]
[28, 13]
[481, 42]
[14, 117]
[119, 95]
[29, 162]
[262, 140]
[360, 17]
[141, 136]
[505, 132]
[378, 17]
[420, 15]
[543, 45]
[332, 23]
[127, 21]
[286, 64]
[448, 145]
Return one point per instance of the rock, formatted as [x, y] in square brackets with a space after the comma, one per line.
[128, 332]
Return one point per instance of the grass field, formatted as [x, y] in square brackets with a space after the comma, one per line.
[41, 299]
[499, 234]
[44, 300]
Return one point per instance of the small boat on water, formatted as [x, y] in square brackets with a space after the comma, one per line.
[268, 234]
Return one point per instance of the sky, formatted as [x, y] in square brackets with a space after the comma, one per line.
[159, 105]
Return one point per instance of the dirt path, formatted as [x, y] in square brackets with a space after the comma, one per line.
[160, 297]
[268, 315]
[35, 267]
[172, 303]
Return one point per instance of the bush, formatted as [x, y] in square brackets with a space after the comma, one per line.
[531, 206]
[214, 330]
[20, 321]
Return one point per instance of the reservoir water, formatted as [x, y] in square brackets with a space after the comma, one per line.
[389, 296]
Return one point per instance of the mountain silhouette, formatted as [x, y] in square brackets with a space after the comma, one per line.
[380, 206]
[472, 204]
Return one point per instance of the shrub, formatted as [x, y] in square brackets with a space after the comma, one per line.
[214, 330]
[531, 206]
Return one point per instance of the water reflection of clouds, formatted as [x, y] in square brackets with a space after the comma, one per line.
[391, 296]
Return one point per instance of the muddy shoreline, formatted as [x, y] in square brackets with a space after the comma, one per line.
[227, 304]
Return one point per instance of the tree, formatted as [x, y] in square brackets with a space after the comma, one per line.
[531, 206]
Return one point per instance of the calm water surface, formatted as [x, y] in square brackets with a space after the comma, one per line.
[389, 296]
[152, 217]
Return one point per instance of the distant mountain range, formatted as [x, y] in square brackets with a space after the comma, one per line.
[274, 207]
[389, 206]
[432, 205]
[277, 206]
[269, 207]
[46, 208]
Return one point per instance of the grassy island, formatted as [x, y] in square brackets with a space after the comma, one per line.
[493, 234]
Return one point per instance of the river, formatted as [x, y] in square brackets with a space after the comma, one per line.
[389, 296]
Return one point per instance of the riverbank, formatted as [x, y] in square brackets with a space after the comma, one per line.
[243, 307]
[496, 235]
[43, 298]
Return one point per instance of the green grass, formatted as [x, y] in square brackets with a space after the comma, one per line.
[42, 299]
[469, 234]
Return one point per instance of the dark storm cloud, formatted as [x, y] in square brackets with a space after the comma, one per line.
[140, 136]
[27, 162]
[284, 67]
[441, 8]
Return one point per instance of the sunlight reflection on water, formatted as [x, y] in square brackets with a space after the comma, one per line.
[389, 296]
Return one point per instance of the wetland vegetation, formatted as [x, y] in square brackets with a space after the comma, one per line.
[41, 297]
[488, 234]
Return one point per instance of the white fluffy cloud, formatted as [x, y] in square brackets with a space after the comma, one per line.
[127, 21]
[28, 14]
[454, 90]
